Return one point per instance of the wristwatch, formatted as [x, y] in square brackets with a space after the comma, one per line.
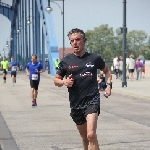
[108, 84]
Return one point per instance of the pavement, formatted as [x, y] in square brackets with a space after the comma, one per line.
[135, 88]
[49, 127]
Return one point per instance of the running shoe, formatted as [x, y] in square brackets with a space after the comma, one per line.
[34, 103]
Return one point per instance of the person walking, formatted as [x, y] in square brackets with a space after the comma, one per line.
[33, 70]
[120, 67]
[127, 66]
[80, 69]
[13, 66]
[138, 67]
[117, 68]
[4, 66]
[142, 60]
[131, 67]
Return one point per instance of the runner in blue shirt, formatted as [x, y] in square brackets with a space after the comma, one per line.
[33, 70]
[13, 66]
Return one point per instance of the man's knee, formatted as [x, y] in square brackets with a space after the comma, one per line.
[85, 138]
[91, 136]
[32, 89]
[36, 91]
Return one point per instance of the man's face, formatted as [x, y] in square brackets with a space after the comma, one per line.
[33, 59]
[12, 59]
[77, 42]
[4, 59]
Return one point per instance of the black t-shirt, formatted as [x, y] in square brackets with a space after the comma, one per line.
[84, 71]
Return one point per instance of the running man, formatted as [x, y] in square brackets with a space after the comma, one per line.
[56, 64]
[33, 70]
[13, 66]
[80, 69]
[4, 65]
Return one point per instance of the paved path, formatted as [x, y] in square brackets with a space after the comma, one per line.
[123, 124]
[135, 88]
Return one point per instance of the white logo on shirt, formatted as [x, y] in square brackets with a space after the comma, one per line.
[89, 64]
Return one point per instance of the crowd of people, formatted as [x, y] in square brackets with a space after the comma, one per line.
[132, 66]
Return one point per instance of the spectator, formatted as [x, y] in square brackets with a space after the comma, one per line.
[138, 67]
[101, 82]
[131, 66]
[142, 60]
[127, 67]
[116, 67]
[120, 67]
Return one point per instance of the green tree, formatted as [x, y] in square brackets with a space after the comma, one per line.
[136, 42]
[101, 40]
[104, 41]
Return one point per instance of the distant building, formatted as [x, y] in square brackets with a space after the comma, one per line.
[67, 51]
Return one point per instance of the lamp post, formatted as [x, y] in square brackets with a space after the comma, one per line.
[4, 52]
[49, 9]
[124, 31]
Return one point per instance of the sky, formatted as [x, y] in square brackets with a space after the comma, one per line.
[87, 14]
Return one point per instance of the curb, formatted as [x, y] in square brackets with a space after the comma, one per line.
[130, 94]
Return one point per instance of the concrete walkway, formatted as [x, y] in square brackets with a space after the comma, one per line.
[135, 88]
[49, 126]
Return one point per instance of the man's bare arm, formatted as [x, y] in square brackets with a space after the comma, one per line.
[58, 80]
[107, 73]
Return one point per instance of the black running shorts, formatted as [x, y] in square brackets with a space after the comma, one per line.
[4, 71]
[34, 84]
[13, 73]
[79, 115]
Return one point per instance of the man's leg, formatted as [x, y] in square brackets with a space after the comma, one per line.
[83, 132]
[91, 131]
[36, 91]
[12, 80]
[88, 132]
[4, 77]
[15, 77]
[35, 94]
[32, 94]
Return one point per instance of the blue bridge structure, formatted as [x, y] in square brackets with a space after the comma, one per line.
[32, 32]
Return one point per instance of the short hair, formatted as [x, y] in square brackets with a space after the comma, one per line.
[34, 56]
[131, 56]
[76, 30]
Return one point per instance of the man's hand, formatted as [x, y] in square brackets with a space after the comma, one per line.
[69, 81]
[107, 91]
[27, 73]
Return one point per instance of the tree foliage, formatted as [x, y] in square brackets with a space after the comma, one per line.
[104, 41]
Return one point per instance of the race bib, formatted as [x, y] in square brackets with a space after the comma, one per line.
[34, 77]
[13, 69]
